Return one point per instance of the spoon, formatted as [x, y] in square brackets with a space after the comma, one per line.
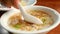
[29, 17]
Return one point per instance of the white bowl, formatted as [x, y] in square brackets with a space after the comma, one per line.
[29, 3]
[50, 11]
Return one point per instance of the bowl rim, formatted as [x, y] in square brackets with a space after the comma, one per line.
[40, 31]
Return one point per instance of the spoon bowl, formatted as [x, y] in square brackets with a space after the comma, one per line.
[28, 17]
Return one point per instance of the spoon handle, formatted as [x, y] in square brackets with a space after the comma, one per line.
[21, 9]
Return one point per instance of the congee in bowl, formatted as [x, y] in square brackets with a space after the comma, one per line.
[16, 21]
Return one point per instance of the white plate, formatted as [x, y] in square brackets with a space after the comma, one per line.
[2, 30]
[29, 3]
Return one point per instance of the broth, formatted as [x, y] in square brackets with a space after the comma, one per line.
[17, 22]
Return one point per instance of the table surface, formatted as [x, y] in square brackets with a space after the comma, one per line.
[55, 4]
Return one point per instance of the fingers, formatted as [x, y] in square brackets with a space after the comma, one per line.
[6, 3]
[10, 3]
[0, 0]
[15, 3]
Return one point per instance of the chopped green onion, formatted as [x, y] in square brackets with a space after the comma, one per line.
[43, 19]
[17, 26]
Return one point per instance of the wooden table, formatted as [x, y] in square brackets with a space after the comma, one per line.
[55, 4]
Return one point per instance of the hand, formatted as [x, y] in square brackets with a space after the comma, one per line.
[10, 3]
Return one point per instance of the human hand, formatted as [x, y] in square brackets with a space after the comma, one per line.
[10, 3]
